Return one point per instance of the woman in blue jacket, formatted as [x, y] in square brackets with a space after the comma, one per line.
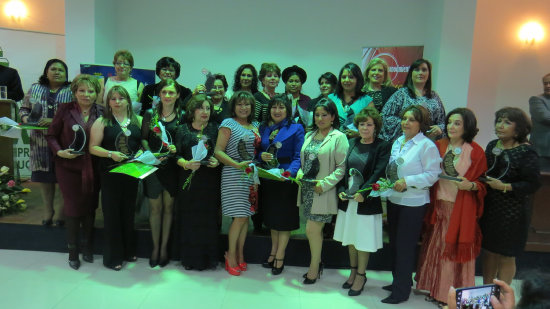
[278, 199]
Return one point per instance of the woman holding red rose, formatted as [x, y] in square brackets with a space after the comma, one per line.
[359, 220]
[160, 187]
[199, 202]
[278, 199]
[238, 193]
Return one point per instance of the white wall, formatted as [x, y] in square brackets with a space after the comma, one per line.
[28, 52]
[80, 37]
[220, 35]
[504, 72]
[449, 47]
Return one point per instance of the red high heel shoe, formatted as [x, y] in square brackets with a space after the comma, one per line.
[243, 266]
[234, 271]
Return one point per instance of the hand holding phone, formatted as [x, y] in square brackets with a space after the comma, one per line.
[477, 296]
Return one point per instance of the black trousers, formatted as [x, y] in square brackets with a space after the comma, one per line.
[118, 202]
[405, 224]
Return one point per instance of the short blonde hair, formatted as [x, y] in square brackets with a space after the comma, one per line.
[87, 79]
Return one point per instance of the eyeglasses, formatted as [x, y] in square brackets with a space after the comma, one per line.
[123, 64]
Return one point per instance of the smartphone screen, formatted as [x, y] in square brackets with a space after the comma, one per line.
[476, 296]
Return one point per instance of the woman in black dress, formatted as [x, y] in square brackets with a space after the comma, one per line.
[513, 176]
[199, 202]
[114, 137]
[278, 199]
[161, 186]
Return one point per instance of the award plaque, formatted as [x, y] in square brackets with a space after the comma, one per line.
[492, 172]
[311, 171]
[241, 149]
[273, 149]
[448, 164]
[79, 140]
[35, 115]
[156, 145]
[391, 171]
[122, 144]
[355, 181]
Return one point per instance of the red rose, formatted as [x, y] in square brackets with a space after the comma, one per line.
[156, 129]
[286, 174]
[375, 187]
[248, 170]
[11, 183]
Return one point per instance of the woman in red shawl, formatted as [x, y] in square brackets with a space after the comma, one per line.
[452, 237]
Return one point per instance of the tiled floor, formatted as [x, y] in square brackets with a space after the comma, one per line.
[30, 279]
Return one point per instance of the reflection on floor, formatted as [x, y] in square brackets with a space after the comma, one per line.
[35, 212]
[44, 280]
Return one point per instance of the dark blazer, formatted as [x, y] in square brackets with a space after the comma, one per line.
[10, 78]
[292, 139]
[373, 171]
[539, 106]
[60, 135]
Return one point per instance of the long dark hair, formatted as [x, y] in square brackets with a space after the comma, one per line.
[356, 72]
[237, 83]
[409, 83]
[43, 80]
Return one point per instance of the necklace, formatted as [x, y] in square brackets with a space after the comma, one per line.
[124, 126]
[165, 117]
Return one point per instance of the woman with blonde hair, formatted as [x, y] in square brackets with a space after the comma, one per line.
[73, 164]
[378, 84]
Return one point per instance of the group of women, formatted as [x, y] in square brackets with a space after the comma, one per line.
[333, 150]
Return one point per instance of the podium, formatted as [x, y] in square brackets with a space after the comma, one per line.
[539, 230]
[7, 109]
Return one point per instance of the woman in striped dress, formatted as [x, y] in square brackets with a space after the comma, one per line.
[239, 193]
[39, 107]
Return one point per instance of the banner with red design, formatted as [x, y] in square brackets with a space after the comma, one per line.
[398, 58]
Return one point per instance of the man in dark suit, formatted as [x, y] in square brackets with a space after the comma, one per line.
[539, 107]
[10, 78]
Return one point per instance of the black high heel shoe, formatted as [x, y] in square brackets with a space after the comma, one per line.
[277, 270]
[347, 285]
[353, 292]
[74, 262]
[267, 263]
[154, 259]
[164, 262]
[87, 252]
[312, 281]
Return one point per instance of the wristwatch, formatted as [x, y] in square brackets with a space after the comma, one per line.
[110, 154]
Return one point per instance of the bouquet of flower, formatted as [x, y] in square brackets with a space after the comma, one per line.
[10, 192]
[380, 188]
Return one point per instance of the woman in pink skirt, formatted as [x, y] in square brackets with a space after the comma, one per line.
[452, 237]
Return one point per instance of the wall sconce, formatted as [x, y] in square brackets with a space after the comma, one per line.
[531, 33]
[15, 9]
